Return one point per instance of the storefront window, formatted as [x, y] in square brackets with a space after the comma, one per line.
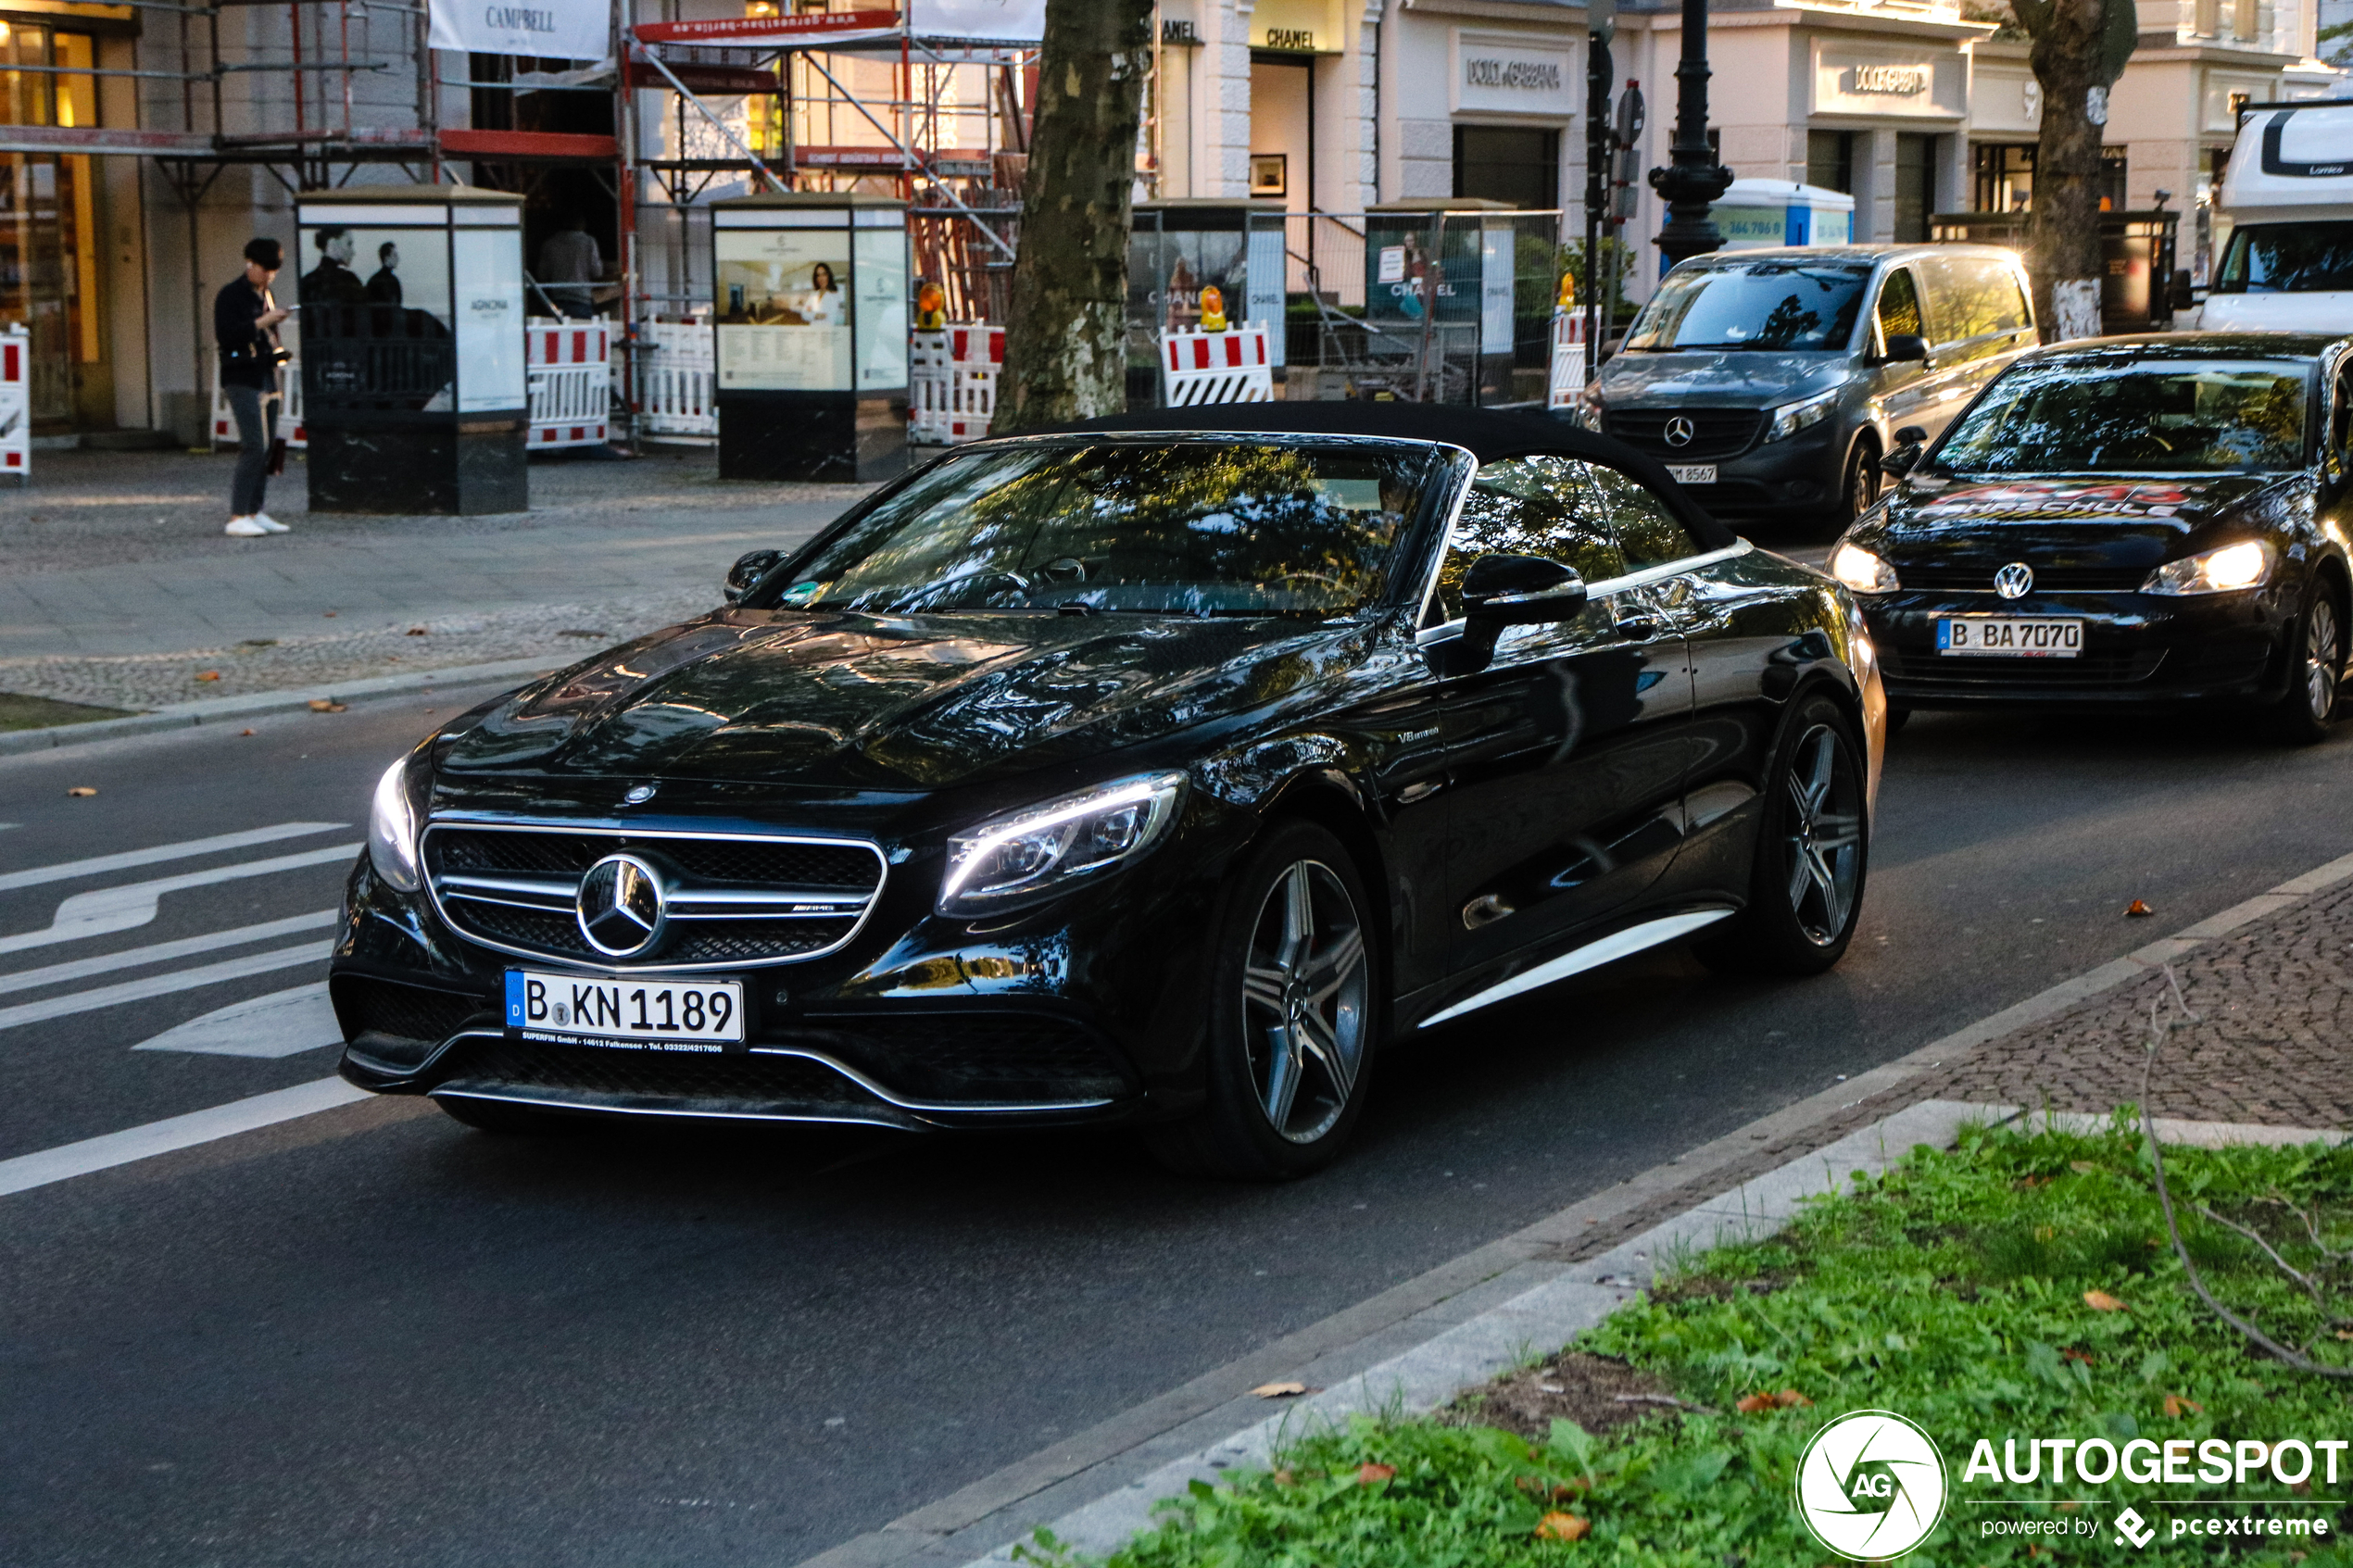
[2004, 178]
[1508, 163]
[48, 221]
[1916, 190]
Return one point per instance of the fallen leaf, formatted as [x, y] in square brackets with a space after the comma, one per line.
[245, 731]
[1789, 1396]
[1283, 1478]
[2345, 1334]
[84, 790]
[1368, 1473]
[2101, 1302]
[1753, 1403]
[2085, 1168]
[207, 674]
[416, 631]
[1281, 1390]
[329, 615]
[2138, 911]
[2073, 1353]
[1562, 1527]
[2175, 1405]
[327, 705]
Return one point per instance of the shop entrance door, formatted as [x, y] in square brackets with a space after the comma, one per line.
[49, 233]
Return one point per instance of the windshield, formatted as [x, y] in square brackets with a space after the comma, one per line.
[2089, 414]
[1182, 527]
[1759, 304]
[2287, 258]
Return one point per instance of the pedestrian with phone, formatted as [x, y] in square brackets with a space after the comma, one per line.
[244, 322]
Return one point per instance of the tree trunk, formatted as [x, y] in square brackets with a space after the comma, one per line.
[1065, 346]
[2063, 230]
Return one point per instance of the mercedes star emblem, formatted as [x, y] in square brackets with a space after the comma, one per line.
[621, 906]
[2014, 580]
[638, 795]
[1680, 431]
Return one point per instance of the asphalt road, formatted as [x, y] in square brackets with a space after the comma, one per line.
[371, 1337]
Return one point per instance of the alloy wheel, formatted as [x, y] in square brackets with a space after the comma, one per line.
[2323, 657]
[1824, 834]
[1305, 1001]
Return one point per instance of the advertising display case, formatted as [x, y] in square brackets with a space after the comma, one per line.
[808, 322]
[1440, 276]
[414, 383]
[1176, 249]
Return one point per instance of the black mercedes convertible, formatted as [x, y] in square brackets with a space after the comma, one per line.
[2153, 520]
[1164, 768]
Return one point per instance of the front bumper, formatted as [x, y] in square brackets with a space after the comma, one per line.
[2138, 648]
[1081, 1010]
[1797, 476]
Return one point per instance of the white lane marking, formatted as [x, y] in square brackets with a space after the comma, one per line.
[67, 870]
[26, 1171]
[281, 1023]
[163, 985]
[104, 910]
[162, 952]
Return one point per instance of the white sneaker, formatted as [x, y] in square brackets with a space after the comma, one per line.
[244, 528]
[271, 525]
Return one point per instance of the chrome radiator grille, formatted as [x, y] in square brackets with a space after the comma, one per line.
[726, 900]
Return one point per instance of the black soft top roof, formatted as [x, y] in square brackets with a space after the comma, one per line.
[1487, 434]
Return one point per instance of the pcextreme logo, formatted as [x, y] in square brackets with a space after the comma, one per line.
[1871, 1485]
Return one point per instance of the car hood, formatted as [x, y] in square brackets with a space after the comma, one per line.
[2084, 520]
[887, 703]
[1745, 377]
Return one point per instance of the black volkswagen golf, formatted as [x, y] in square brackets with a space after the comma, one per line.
[1155, 773]
[2157, 518]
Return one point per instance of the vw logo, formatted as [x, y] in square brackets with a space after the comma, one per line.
[2014, 580]
[638, 795]
[621, 906]
[1680, 431]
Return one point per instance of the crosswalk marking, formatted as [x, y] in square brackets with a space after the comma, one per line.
[163, 985]
[163, 952]
[29, 1171]
[281, 1023]
[67, 870]
[104, 910]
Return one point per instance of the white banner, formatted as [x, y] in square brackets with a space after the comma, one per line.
[562, 30]
[1009, 21]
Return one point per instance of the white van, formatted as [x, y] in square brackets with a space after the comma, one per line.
[2283, 238]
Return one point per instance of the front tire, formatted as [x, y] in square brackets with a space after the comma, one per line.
[2305, 712]
[1858, 482]
[1813, 851]
[1294, 1008]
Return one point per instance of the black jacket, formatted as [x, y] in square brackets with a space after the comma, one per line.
[248, 353]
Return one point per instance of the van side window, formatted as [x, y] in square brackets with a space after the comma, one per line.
[1977, 303]
[2341, 420]
[1533, 505]
[1899, 306]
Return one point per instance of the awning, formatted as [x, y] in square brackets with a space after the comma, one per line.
[953, 23]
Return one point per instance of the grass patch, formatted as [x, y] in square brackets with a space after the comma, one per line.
[41, 712]
[1952, 1291]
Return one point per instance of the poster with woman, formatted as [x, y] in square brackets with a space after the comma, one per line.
[783, 309]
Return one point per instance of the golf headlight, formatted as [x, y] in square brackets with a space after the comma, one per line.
[1790, 417]
[391, 830]
[2221, 571]
[1037, 853]
[1862, 571]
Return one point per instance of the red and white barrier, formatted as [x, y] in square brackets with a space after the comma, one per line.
[951, 382]
[1567, 389]
[570, 375]
[290, 426]
[1227, 367]
[16, 403]
[675, 373]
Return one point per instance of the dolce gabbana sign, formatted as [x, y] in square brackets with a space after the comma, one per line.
[1889, 79]
[1498, 74]
[1903, 81]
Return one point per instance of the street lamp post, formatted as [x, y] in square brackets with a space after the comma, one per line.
[1692, 179]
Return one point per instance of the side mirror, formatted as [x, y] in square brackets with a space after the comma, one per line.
[1912, 443]
[749, 568]
[1907, 347]
[1503, 590]
[2181, 294]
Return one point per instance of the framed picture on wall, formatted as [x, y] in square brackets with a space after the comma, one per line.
[1269, 174]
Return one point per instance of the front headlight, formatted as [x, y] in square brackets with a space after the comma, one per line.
[1037, 853]
[1862, 571]
[2223, 570]
[391, 830]
[1790, 417]
[1589, 407]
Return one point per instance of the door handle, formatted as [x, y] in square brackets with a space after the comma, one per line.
[1637, 625]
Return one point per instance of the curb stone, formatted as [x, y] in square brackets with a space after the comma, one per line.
[230, 709]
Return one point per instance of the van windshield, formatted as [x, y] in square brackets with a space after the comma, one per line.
[1783, 304]
[2287, 258]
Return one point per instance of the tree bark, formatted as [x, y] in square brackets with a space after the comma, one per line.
[2063, 228]
[1065, 346]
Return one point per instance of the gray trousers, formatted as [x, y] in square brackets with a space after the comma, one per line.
[257, 413]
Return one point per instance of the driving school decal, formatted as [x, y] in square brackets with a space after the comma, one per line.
[2061, 499]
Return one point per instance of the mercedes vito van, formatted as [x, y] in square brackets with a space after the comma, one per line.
[1770, 383]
